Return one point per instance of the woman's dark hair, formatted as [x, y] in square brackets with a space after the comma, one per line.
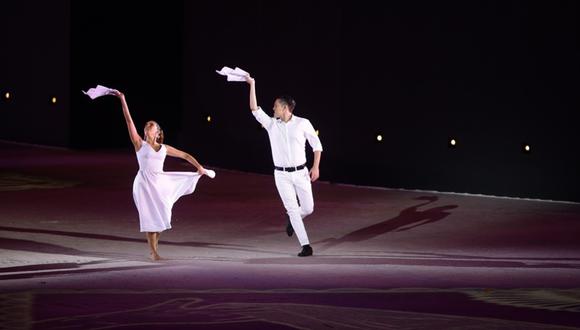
[288, 100]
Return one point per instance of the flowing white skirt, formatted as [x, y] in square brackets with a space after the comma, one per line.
[156, 192]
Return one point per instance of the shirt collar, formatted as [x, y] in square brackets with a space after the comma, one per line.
[289, 121]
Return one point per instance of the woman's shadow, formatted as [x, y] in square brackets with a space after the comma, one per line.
[409, 218]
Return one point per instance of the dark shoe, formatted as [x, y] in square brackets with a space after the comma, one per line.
[289, 229]
[306, 251]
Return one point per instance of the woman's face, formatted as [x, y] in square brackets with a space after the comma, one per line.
[151, 130]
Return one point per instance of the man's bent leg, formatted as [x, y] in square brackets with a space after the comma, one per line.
[303, 188]
[288, 195]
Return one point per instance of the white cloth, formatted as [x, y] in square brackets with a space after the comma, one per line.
[291, 185]
[236, 74]
[210, 173]
[99, 91]
[288, 140]
[155, 191]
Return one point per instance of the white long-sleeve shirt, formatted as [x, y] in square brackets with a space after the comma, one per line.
[288, 139]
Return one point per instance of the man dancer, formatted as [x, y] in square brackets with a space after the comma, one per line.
[288, 134]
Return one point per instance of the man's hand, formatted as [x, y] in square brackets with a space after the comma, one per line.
[314, 174]
[253, 100]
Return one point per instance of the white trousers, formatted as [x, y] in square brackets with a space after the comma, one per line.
[295, 191]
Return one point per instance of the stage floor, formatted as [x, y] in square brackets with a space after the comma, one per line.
[72, 255]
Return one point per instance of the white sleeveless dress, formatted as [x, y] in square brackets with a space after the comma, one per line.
[155, 191]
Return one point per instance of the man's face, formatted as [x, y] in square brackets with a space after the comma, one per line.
[279, 108]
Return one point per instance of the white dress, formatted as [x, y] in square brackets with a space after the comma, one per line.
[155, 191]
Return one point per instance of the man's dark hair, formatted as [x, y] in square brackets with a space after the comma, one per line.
[288, 100]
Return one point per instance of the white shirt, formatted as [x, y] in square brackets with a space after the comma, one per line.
[288, 140]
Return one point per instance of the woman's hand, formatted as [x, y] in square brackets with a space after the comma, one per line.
[118, 94]
[201, 170]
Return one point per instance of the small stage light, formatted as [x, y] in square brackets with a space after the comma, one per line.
[452, 143]
[208, 119]
[53, 100]
[526, 148]
[7, 95]
[379, 138]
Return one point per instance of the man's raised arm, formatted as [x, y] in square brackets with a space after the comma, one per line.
[253, 100]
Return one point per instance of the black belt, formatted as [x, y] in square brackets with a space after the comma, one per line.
[290, 169]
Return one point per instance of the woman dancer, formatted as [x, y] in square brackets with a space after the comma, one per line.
[154, 190]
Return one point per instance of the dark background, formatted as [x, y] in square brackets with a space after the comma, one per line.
[491, 74]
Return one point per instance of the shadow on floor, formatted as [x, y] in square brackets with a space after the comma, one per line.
[407, 219]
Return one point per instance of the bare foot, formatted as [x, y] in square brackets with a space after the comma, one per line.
[155, 257]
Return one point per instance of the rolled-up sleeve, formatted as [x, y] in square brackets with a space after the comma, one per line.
[311, 136]
[262, 118]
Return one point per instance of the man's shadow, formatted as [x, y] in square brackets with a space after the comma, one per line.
[409, 218]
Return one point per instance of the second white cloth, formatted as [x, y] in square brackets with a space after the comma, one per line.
[99, 91]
